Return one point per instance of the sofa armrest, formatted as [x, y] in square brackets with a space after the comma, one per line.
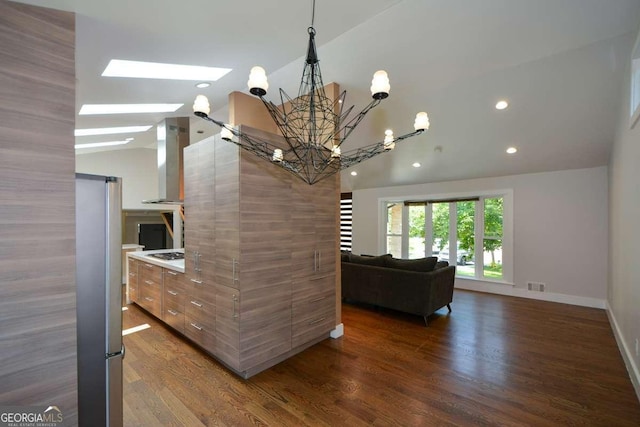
[441, 289]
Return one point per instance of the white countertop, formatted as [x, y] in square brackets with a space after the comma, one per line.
[132, 246]
[176, 265]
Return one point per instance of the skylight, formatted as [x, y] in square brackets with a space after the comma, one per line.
[111, 131]
[101, 144]
[156, 70]
[90, 109]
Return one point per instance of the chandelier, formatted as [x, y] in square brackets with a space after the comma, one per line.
[313, 125]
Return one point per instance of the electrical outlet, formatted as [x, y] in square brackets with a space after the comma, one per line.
[637, 348]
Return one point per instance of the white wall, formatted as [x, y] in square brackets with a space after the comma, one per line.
[137, 168]
[560, 227]
[623, 296]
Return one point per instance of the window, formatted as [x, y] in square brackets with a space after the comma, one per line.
[346, 221]
[466, 231]
[394, 230]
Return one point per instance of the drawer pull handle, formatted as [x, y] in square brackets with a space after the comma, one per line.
[196, 304]
[313, 322]
[175, 294]
[235, 301]
[173, 313]
[148, 265]
[171, 272]
[317, 299]
[148, 282]
[196, 326]
[132, 274]
[149, 299]
[199, 282]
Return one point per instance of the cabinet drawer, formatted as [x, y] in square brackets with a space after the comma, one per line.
[175, 296]
[173, 279]
[201, 312]
[150, 272]
[311, 309]
[152, 304]
[201, 290]
[313, 287]
[312, 317]
[308, 329]
[133, 293]
[173, 317]
[148, 288]
[199, 333]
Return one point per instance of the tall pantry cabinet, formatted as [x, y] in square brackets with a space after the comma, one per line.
[274, 263]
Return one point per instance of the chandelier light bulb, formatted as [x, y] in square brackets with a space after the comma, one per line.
[257, 83]
[277, 155]
[422, 121]
[201, 106]
[226, 134]
[389, 143]
[380, 86]
[335, 151]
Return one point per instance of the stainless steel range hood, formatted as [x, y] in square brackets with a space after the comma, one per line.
[173, 136]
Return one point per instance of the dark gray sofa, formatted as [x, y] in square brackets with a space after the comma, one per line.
[412, 286]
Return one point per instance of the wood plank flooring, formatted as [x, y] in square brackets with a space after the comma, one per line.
[494, 360]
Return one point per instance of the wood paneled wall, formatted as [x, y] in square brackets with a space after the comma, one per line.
[249, 111]
[37, 208]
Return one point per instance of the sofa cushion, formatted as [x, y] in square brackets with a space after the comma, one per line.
[345, 256]
[420, 264]
[379, 261]
[441, 264]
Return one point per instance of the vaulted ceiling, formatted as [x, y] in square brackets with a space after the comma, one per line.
[559, 63]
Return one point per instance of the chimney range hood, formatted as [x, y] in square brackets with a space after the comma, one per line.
[173, 136]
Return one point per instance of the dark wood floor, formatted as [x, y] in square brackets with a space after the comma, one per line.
[493, 361]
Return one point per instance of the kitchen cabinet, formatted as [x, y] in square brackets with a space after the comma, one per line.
[314, 258]
[173, 299]
[150, 288]
[200, 250]
[274, 247]
[132, 282]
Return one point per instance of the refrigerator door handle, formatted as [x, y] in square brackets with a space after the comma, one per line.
[117, 353]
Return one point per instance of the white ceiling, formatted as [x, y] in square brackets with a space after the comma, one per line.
[559, 63]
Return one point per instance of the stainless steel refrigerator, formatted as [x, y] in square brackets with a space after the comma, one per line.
[99, 299]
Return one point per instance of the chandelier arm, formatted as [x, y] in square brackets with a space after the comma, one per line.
[280, 122]
[358, 155]
[348, 127]
[257, 146]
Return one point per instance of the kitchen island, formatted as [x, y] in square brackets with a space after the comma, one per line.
[151, 274]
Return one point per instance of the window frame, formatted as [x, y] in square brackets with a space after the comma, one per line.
[480, 196]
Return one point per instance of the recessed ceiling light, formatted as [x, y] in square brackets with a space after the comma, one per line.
[512, 150]
[416, 165]
[89, 109]
[354, 173]
[111, 131]
[203, 85]
[155, 70]
[101, 144]
[502, 104]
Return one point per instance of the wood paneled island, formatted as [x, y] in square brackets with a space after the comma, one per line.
[260, 268]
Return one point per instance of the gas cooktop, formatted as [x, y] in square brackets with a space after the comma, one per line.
[169, 256]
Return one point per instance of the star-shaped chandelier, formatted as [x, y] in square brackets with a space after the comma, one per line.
[313, 125]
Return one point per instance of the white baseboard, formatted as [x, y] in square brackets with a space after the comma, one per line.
[338, 331]
[627, 355]
[504, 289]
